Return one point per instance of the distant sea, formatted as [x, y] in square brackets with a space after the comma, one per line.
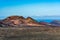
[40, 18]
[46, 18]
[2, 17]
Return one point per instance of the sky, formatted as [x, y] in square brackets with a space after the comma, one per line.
[30, 7]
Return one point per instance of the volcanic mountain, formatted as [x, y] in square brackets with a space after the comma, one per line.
[17, 20]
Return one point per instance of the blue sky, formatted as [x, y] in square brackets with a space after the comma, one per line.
[30, 7]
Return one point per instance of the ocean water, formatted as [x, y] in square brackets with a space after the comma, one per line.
[2, 17]
[47, 18]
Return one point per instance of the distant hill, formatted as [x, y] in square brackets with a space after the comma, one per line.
[55, 23]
